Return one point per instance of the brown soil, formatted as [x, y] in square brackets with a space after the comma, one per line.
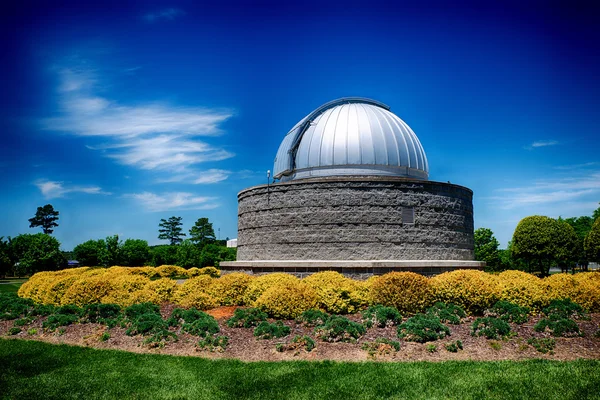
[244, 346]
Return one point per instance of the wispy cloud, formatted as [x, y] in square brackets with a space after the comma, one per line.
[542, 143]
[205, 177]
[168, 14]
[174, 201]
[577, 166]
[54, 189]
[558, 191]
[150, 136]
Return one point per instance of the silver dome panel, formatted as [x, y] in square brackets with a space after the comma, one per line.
[350, 136]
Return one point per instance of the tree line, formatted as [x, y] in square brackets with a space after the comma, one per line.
[540, 243]
[26, 254]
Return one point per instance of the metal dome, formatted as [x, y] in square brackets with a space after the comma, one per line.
[350, 136]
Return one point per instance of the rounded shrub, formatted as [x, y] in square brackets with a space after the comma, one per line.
[87, 290]
[171, 271]
[229, 289]
[423, 328]
[490, 327]
[336, 293]
[260, 284]
[523, 289]
[195, 292]
[340, 329]
[157, 292]
[588, 295]
[287, 301]
[408, 292]
[123, 289]
[472, 290]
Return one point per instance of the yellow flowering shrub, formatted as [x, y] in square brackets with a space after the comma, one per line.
[337, 294]
[287, 300]
[30, 288]
[56, 291]
[261, 283]
[123, 289]
[171, 271]
[524, 289]
[87, 290]
[472, 290]
[157, 292]
[149, 272]
[588, 295]
[229, 289]
[407, 291]
[194, 292]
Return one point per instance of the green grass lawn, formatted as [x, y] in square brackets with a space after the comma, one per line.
[11, 285]
[34, 370]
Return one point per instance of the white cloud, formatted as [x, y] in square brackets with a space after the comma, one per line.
[151, 136]
[53, 189]
[174, 201]
[551, 191]
[576, 166]
[168, 14]
[541, 143]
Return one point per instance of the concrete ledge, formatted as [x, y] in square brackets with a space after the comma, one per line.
[357, 269]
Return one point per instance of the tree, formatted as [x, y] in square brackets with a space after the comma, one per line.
[565, 248]
[202, 233]
[6, 263]
[592, 242]
[188, 255]
[486, 248]
[112, 256]
[37, 252]
[171, 230]
[45, 217]
[596, 213]
[135, 252]
[91, 253]
[163, 255]
[582, 226]
[212, 254]
[534, 241]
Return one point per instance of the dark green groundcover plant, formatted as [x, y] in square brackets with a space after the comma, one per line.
[490, 327]
[313, 317]
[381, 316]
[340, 329]
[423, 328]
[508, 312]
[265, 330]
[195, 322]
[447, 313]
[246, 318]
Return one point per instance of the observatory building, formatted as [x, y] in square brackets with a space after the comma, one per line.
[351, 194]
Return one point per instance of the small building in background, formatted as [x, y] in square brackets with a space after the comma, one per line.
[232, 243]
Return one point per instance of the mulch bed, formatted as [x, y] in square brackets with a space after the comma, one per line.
[244, 346]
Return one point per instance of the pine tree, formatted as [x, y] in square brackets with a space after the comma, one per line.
[171, 230]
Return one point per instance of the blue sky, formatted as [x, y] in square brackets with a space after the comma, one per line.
[120, 114]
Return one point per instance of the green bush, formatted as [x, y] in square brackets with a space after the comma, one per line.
[304, 341]
[68, 309]
[12, 306]
[246, 318]
[565, 308]
[558, 326]
[265, 330]
[508, 312]
[447, 313]
[543, 345]
[453, 347]
[431, 348]
[198, 323]
[381, 316]
[313, 317]
[423, 328]
[340, 329]
[23, 321]
[104, 337]
[14, 330]
[107, 314]
[490, 327]
[42, 310]
[147, 324]
[214, 343]
[136, 310]
[56, 320]
[381, 346]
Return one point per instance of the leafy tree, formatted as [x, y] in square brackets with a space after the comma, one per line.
[566, 242]
[534, 241]
[45, 217]
[38, 252]
[213, 254]
[188, 255]
[163, 255]
[135, 252]
[6, 263]
[202, 233]
[592, 242]
[112, 256]
[596, 213]
[171, 230]
[486, 248]
[582, 226]
[91, 253]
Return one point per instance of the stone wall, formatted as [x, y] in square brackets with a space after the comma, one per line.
[355, 218]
